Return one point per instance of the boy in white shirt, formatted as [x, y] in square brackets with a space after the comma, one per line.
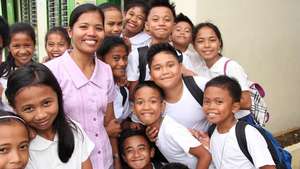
[174, 140]
[221, 100]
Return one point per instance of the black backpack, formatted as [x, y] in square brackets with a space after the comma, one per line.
[193, 88]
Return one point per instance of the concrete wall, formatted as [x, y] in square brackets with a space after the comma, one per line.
[264, 37]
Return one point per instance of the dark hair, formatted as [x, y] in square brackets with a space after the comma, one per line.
[61, 31]
[161, 47]
[183, 18]
[9, 65]
[151, 84]
[4, 31]
[226, 83]
[175, 166]
[107, 5]
[211, 26]
[81, 9]
[108, 44]
[137, 3]
[38, 74]
[163, 3]
[10, 117]
[130, 133]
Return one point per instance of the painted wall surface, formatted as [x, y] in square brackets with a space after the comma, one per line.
[264, 37]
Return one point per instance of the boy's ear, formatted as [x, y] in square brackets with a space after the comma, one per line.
[163, 106]
[236, 107]
[124, 158]
[70, 32]
[146, 26]
[152, 152]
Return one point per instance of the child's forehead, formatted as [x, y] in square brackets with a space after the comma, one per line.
[161, 11]
[148, 89]
[183, 23]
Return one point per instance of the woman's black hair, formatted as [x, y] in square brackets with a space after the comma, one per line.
[211, 26]
[137, 3]
[108, 44]
[162, 47]
[151, 84]
[4, 31]
[8, 117]
[9, 65]
[81, 9]
[226, 83]
[35, 74]
[61, 31]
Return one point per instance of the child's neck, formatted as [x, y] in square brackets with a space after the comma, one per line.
[211, 62]
[182, 48]
[48, 134]
[174, 94]
[157, 123]
[156, 41]
[226, 125]
[129, 34]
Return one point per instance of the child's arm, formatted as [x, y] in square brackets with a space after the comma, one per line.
[268, 167]
[204, 157]
[87, 164]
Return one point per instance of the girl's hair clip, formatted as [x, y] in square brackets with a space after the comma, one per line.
[12, 117]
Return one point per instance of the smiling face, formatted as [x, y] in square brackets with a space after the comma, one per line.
[218, 105]
[134, 20]
[165, 70]
[207, 44]
[113, 22]
[87, 33]
[148, 105]
[182, 34]
[56, 45]
[38, 106]
[138, 153]
[160, 23]
[117, 59]
[14, 142]
[21, 47]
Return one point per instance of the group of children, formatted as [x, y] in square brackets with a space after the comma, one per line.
[117, 96]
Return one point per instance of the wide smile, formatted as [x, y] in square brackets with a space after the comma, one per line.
[90, 42]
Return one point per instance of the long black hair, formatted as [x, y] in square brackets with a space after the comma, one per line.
[8, 66]
[38, 74]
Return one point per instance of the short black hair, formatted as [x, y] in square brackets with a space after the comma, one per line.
[109, 43]
[126, 133]
[107, 5]
[183, 18]
[211, 26]
[4, 31]
[151, 84]
[161, 47]
[22, 27]
[175, 166]
[163, 3]
[61, 31]
[137, 3]
[226, 83]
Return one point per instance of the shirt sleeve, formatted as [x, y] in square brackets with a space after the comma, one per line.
[258, 147]
[111, 92]
[87, 146]
[235, 70]
[133, 72]
[184, 138]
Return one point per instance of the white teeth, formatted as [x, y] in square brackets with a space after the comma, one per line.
[211, 114]
[90, 42]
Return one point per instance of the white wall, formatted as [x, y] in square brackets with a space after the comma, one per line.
[264, 37]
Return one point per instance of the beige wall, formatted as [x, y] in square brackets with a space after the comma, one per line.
[264, 37]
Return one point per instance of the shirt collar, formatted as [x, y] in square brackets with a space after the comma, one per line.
[39, 143]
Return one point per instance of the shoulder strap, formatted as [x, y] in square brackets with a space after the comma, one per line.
[211, 130]
[241, 139]
[194, 89]
[124, 94]
[225, 66]
[142, 62]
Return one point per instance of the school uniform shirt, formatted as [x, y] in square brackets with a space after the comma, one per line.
[139, 40]
[187, 111]
[226, 153]
[122, 111]
[198, 64]
[133, 72]
[85, 101]
[43, 153]
[175, 141]
[234, 70]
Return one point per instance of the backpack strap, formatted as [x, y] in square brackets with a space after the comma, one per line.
[241, 139]
[225, 66]
[193, 88]
[142, 62]
[211, 130]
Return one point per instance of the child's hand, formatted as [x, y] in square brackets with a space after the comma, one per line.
[201, 136]
[136, 126]
[113, 128]
[151, 133]
[187, 72]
